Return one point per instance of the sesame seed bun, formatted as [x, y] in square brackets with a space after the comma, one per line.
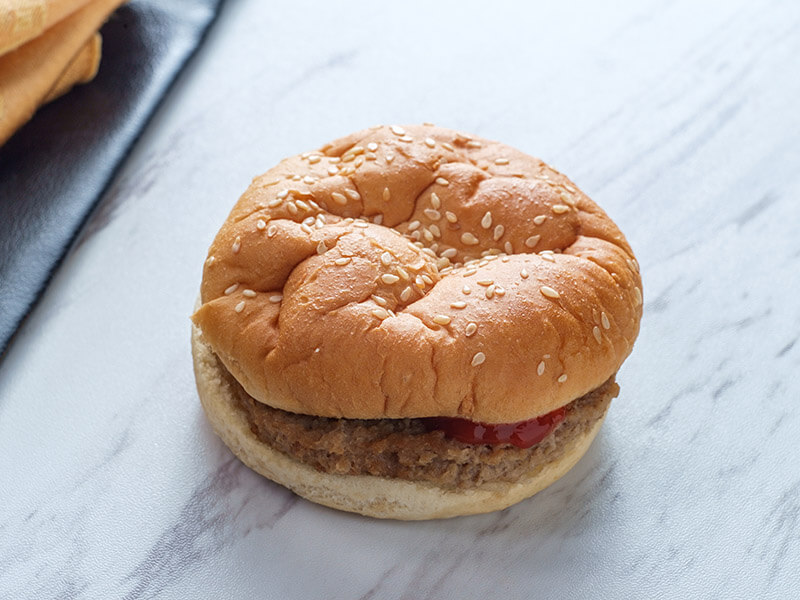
[372, 496]
[417, 272]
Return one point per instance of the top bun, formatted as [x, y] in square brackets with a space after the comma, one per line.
[417, 271]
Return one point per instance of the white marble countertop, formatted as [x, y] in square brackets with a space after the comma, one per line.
[679, 118]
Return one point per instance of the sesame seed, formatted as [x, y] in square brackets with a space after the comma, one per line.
[490, 292]
[548, 256]
[485, 282]
[339, 198]
[321, 247]
[419, 282]
[348, 157]
[416, 235]
[559, 208]
[450, 216]
[637, 295]
[379, 300]
[405, 294]
[562, 379]
[372, 146]
[309, 180]
[486, 221]
[469, 239]
[478, 359]
[597, 335]
[532, 241]
[352, 194]
[210, 260]
[498, 231]
[273, 229]
[237, 245]
[570, 188]
[430, 142]
[229, 290]
[314, 159]
[471, 329]
[387, 195]
[459, 304]
[448, 146]
[500, 290]
[538, 220]
[524, 273]
[292, 208]
[249, 294]
[389, 158]
[435, 201]
[427, 235]
[549, 292]
[360, 224]
[306, 228]
[380, 313]
[334, 159]
[466, 290]
[473, 144]
[239, 307]
[342, 261]
[403, 273]
[261, 224]
[333, 170]
[427, 279]
[414, 225]
[470, 271]
[276, 298]
[274, 203]
[434, 229]
[386, 259]
[540, 368]
[282, 194]
[389, 278]
[398, 130]
[441, 320]
[449, 253]
[508, 248]
[604, 320]
[442, 181]
[377, 219]
[432, 214]
[501, 161]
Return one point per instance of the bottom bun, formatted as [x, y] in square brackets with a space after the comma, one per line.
[368, 495]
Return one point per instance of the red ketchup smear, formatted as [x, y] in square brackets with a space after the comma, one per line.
[522, 434]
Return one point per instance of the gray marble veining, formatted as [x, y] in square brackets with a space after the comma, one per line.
[678, 118]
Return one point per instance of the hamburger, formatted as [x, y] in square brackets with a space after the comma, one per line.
[413, 323]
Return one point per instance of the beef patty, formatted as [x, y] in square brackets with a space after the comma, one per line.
[408, 449]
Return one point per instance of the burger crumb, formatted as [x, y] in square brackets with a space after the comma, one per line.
[407, 449]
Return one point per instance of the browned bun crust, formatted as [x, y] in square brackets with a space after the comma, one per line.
[317, 313]
[381, 497]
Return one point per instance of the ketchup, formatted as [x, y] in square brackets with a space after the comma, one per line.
[522, 434]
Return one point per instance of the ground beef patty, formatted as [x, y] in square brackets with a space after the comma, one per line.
[406, 449]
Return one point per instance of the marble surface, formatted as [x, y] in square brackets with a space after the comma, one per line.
[679, 118]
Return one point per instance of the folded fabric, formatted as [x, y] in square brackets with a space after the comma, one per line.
[81, 69]
[49, 64]
[23, 20]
